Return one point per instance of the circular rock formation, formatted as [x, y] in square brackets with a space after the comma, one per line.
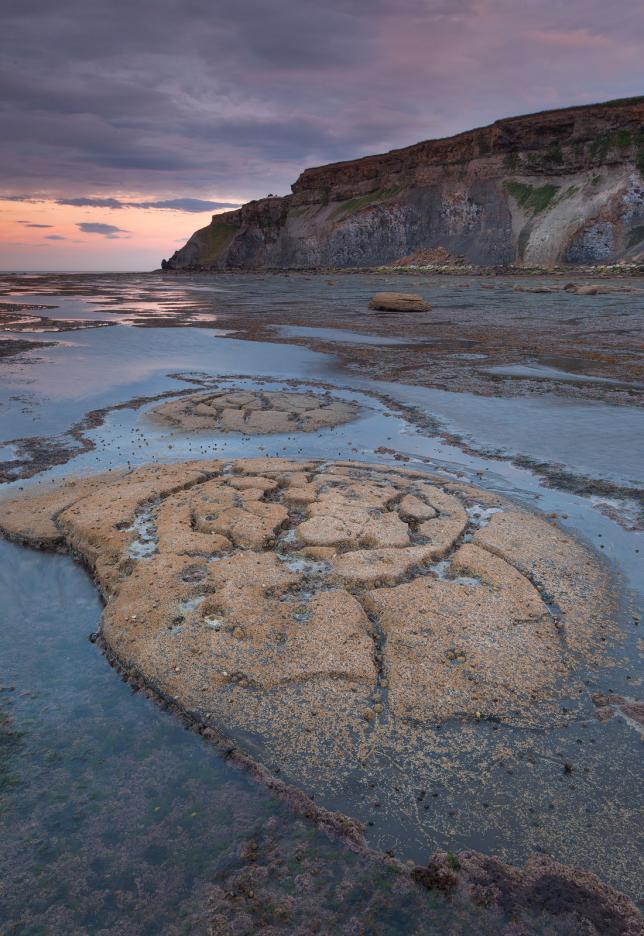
[318, 610]
[256, 412]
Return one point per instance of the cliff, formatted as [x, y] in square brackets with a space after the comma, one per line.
[557, 187]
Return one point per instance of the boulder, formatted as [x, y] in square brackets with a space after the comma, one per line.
[583, 290]
[399, 302]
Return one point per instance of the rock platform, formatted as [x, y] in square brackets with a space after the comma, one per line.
[255, 413]
[317, 610]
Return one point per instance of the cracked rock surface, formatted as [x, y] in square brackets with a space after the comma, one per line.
[255, 412]
[317, 611]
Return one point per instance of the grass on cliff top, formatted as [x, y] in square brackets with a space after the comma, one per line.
[352, 205]
[619, 141]
[218, 237]
[532, 200]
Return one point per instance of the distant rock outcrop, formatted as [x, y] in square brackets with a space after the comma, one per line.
[558, 187]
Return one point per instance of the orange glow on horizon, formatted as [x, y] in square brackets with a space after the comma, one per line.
[145, 236]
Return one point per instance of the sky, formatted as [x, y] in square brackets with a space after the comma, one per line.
[125, 124]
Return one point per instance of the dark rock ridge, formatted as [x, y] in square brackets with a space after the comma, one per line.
[558, 187]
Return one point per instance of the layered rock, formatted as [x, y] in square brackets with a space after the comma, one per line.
[561, 186]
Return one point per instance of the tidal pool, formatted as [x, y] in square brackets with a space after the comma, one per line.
[115, 819]
[546, 373]
[110, 810]
[114, 816]
[337, 334]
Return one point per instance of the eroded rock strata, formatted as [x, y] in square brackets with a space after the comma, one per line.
[254, 412]
[562, 186]
[319, 610]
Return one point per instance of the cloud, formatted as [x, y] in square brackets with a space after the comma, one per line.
[196, 105]
[31, 224]
[573, 38]
[175, 204]
[195, 205]
[106, 230]
[56, 237]
[91, 202]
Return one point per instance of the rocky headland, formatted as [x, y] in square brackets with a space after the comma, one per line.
[557, 187]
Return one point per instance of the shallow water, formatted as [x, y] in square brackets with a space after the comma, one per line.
[108, 813]
[114, 819]
[104, 366]
[96, 368]
[91, 751]
[542, 371]
[59, 307]
[337, 334]
[87, 372]
[583, 437]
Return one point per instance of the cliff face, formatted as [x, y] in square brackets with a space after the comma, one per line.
[563, 186]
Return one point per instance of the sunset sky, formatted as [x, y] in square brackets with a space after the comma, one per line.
[126, 124]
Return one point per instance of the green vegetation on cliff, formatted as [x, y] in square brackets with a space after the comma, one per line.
[218, 236]
[532, 199]
[352, 205]
[495, 195]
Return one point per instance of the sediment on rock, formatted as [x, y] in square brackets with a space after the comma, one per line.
[255, 412]
[264, 598]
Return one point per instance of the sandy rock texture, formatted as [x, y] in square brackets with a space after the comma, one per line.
[399, 302]
[255, 413]
[318, 610]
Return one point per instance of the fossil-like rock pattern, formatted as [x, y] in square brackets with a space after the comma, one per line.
[256, 413]
[319, 609]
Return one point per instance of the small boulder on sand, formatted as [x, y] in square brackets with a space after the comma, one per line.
[599, 289]
[399, 302]
[583, 290]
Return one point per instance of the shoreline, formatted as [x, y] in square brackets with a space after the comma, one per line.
[600, 271]
[40, 453]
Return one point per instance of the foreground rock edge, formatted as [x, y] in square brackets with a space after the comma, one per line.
[487, 879]
[267, 594]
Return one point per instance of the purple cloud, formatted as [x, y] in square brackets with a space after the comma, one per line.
[91, 202]
[201, 101]
[105, 230]
[195, 205]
